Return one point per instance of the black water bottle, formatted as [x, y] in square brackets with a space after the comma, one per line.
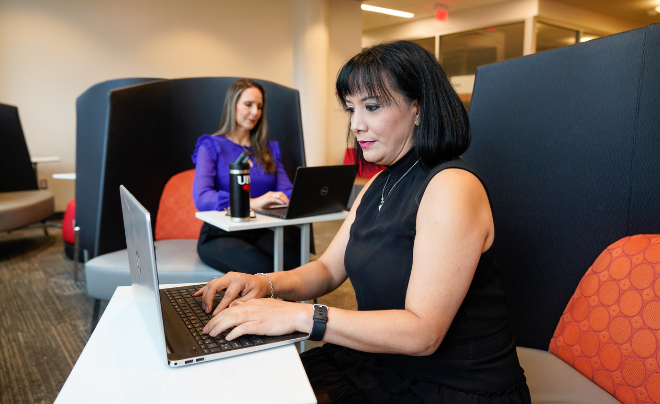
[239, 189]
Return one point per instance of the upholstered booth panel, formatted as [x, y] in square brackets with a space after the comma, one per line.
[138, 156]
[91, 139]
[557, 139]
[552, 381]
[644, 217]
[16, 173]
[152, 131]
[177, 262]
[22, 208]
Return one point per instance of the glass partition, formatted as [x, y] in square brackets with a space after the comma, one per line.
[551, 37]
[462, 53]
[427, 43]
[588, 36]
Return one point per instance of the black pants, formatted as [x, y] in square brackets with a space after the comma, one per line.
[248, 251]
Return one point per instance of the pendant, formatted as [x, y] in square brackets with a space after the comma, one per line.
[381, 204]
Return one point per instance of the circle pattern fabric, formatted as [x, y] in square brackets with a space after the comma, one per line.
[610, 329]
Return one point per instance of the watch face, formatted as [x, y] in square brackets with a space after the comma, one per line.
[320, 312]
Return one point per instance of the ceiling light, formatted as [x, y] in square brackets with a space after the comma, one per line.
[387, 11]
[657, 9]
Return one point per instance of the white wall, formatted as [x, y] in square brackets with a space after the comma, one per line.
[345, 27]
[326, 33]
[51, 51]
[310, 55]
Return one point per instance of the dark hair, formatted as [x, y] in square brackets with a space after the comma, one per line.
[258, 134]
[407, 68]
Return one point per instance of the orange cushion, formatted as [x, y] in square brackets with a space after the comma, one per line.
[176, 210]
[611, 326]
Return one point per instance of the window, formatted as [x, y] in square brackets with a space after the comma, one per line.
[426, 43]
[551, 37]
[462, 53]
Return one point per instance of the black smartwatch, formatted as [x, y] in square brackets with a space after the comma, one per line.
[320, 318]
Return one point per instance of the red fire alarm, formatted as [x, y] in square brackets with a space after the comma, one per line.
[441, 15]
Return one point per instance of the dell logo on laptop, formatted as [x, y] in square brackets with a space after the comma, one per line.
[324, 191]
[138, 262]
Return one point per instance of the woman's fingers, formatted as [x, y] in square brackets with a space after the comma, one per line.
[231, 293]
[224, 320]
[257, 316]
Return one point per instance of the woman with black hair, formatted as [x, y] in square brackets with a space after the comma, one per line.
[418, 247]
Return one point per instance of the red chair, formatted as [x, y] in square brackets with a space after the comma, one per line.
[364, 173]
[176, 234]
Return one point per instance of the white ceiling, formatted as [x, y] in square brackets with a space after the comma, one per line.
[632, 10]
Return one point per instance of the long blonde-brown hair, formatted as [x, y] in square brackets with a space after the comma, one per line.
[258, 134]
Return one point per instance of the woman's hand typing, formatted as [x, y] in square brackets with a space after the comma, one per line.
[261, 317]
[238, 287]
[268, 199]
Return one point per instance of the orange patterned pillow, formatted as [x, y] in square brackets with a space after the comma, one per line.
[176, 210]
[611, 326]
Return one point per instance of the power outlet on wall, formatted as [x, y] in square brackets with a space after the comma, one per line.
[43, 183]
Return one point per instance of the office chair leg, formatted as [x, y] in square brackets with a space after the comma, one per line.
[76, 249]
[95, 313]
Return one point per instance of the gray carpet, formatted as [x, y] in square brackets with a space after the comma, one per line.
[45, 315]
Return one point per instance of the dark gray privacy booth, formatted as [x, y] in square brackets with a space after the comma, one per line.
[92, 114]
[150, 135]
[21, 201]
[152, 130]
[568, 142]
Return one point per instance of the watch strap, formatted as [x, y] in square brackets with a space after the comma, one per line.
[320, 320]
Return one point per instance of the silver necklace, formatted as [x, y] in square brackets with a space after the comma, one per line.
[382, 194]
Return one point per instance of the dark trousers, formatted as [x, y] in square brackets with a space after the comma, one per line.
[248, 251]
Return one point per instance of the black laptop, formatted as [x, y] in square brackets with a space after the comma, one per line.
[317, 191]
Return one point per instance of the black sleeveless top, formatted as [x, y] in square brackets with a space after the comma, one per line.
[477, 356]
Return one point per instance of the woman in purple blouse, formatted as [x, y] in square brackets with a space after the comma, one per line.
[242, 126]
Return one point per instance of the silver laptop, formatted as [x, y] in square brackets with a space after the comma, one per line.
[173, 316]
[317, 191]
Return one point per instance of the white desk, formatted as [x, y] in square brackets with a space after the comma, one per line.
[120, 364]
[65, 176]
[45, 159]
[221, 220]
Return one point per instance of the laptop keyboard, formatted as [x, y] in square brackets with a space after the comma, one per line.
[190, 310]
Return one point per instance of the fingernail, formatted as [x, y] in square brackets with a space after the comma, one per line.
[213, 333]
[205, 330]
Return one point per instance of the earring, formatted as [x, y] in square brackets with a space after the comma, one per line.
[417, 120]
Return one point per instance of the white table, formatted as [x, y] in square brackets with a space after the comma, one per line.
[65, 176]
[221, 220]
[120, 364]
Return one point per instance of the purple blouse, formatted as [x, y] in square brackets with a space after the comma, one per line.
[211, 185]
